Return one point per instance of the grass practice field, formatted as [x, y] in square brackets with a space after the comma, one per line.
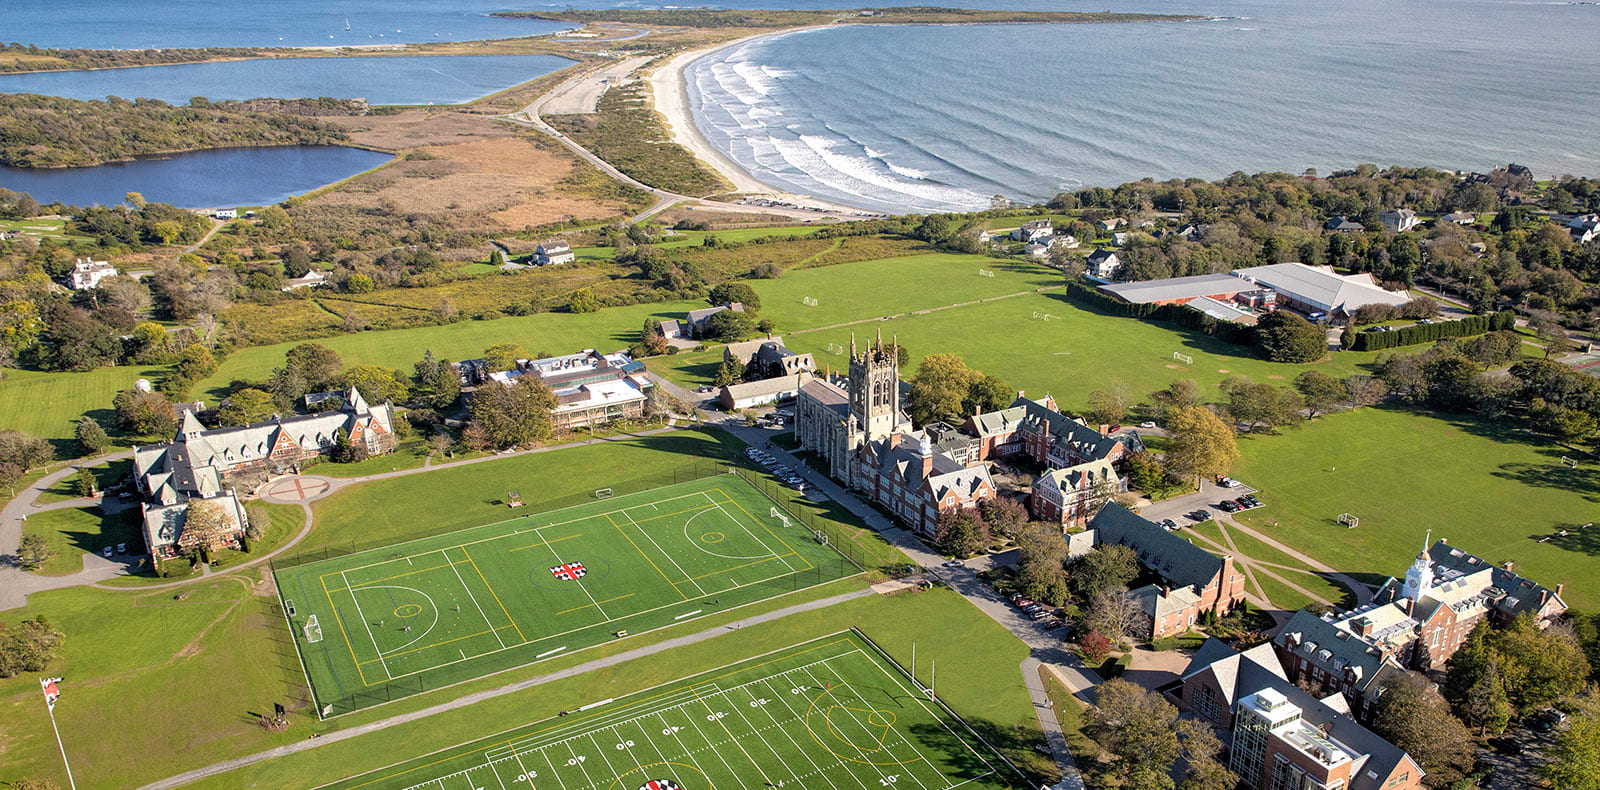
[391, 622]
[834, 713]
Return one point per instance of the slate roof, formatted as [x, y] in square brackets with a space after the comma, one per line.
[1522, 594]
[994, 423]
[947, 475]
[1330, 648]
[828, 395]
[1173, 557]
[1343, 223]
[1258, 669]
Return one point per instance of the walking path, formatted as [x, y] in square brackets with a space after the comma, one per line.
[16, 584]
[510, 688]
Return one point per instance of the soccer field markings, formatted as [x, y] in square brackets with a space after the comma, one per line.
[383, 653]
[647, 558]
[368, 626]
[638, 716]
[474, 598]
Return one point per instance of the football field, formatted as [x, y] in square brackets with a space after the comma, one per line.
[399, 620]
[833, 714]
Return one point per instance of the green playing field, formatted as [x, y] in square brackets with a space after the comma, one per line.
[387, 623]
[834, 714]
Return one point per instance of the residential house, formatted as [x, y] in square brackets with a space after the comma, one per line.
[1318, 289]
[1399, 220]
[1191, 580]
[553, 253]
[1103, 265]
[1054, 440]
[673, 329]
[697, 319]
[1462, 218]
[1584, 228]
[1065, 241]
[1344, 225]
[1034, 230]
[1280, 737]
[88, 273]
[768, 358]
[1119, 240]
[311, 279]
[1113, 223]
[1034, 249]
[226, 213]
[1067, 496]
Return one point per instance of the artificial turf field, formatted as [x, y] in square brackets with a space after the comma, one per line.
[832, 714]
[407, 618]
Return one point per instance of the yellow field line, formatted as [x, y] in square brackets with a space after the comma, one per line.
[768, 528]
[496, 596]
[596, 604]
[437, 644]
[646, 557]
[571, 720]
[371, 582]
[340, 621]
[746, 565]
[537, 545]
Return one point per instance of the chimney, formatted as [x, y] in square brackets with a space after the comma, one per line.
[1364, 627]
[1105, 430]
[926, 451]
[1022, 393]
[1559, 586]
[1510, 565]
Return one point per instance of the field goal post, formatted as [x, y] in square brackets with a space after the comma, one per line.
[313, 631]
[602, 493]
[1182, 357]
[1350, 522]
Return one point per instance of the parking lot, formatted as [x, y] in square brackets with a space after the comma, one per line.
[1182, 509]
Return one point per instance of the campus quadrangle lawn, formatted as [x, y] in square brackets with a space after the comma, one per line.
[1487, 489]
[833, 713]
[400, 620]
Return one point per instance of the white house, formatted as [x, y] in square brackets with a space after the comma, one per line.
[1584, 228]
[1119, 239]
[88, 272]
[1035, 249]
[552, 253]
[1034, 230]
[1399, 220]
[310, 279]
[226, 213]
[1103, 264]
[1065, 241]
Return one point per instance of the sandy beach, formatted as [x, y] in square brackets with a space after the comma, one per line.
[671, 97]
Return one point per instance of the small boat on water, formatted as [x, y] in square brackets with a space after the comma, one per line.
[347, 23]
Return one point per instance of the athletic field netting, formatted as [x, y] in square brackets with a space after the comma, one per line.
[834, 714]
[411, 617]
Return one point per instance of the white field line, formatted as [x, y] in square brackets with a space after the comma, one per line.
[759, 542]
[664, 552]
[473, 599]
[363, 615]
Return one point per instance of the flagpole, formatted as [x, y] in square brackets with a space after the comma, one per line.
[70, 782]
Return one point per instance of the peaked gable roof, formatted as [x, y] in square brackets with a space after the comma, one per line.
[1163, 552]
[1336, 651]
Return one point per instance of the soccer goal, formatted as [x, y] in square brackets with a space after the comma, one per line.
[602, 493]
[313, 631]
[1184, 358]
[1569, 462]
[822, 537]
[1350, 522]
[985, 273]
[835, 349]
[1042, 316]
[809, 301]
[780, 516]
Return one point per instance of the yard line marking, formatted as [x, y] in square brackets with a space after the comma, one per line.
[363, 616]
[646, 557]
[496, 595]
[662, 715]
[702, 734]
[474, 599]
[747, 531]
[734, 738]
[524, 769]
[587, 605]
[541, 543]
[551, 652]
[908, 765]
[574, 753]
[602, 750]
[668, 555]
[800, 718]
[687, 614]
[553, 772]
[922, 702]
[340, 621]
[757, 730]
[746, 565]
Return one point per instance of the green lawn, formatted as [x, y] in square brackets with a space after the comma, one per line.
[833, 712]
[990, 695]
[410, 453]
[1483, 487]
[50, 404]
[42, 227]
[398, 620]
[104, 475]
[73, 532]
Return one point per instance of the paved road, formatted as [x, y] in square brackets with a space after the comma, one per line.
[582, 95]
[510, 688]
[16, 585]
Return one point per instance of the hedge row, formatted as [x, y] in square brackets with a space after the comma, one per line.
[1428, 333]
[1182, 315]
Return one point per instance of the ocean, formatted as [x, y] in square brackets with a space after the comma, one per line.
[942, 118]
[923, 118]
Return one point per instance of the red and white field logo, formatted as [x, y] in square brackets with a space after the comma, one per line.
[569, 572]
[660, 784]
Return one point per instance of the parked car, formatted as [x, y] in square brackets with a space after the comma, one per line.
[955, 564]
[106, 551]
[122, 548]
[1169, 524]
[1040, 615]
[1228, 482]
[1023, 603]
[1147, 424]
[1252, 501]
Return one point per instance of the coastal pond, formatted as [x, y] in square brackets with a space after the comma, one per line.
[198, 179]
[446, 79]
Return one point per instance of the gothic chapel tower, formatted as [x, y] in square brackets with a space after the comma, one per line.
[875, 389]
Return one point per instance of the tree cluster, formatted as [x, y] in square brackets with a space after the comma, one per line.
[28, 646]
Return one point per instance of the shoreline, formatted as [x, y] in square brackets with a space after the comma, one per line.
[670, 97]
